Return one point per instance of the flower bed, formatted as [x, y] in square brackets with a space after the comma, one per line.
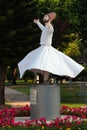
[7, 120]
[18, 111]
[80, 112]
[42, 124]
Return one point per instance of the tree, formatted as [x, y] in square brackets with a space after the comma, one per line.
[24, 33]
[82, 10]
[73, 49]
[69, 22]
[17, 34]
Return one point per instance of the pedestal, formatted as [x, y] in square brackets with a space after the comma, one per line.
[45, 101]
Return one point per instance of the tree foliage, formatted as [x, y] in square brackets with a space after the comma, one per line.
[18, 35]
[72, 50]
[16, 29]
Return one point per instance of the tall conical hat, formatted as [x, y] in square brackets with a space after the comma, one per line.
[52, 15]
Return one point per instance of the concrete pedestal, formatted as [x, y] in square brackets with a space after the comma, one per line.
[45, 101]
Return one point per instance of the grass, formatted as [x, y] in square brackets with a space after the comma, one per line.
[69, 95]
[23, 88]
[73, 105]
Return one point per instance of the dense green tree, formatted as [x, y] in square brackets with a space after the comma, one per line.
[66, 24]
[23, 37]
[72, 49]
[82, 10]
[18, 35]
[72, 19]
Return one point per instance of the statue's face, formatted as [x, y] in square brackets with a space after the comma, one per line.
[46, 18]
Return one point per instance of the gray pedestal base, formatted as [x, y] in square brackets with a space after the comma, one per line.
[45, 101]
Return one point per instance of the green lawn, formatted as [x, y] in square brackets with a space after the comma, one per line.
[69, 95]
[22, 88]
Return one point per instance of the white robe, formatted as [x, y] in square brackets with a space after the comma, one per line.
[47, 58]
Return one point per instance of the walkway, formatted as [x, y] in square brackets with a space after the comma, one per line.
[16, 98]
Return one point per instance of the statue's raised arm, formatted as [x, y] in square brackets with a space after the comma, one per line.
[39, 24]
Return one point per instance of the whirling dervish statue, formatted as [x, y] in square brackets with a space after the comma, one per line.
[46, 59]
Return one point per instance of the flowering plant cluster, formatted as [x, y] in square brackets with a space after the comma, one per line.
[42, 124]
[16, 111]
[80, 112]
[7, 120]
[7, 114]
[25, 111]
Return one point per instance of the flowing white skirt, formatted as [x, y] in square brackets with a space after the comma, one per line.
[47, 58]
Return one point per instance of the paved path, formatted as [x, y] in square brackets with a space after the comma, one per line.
[16, 98]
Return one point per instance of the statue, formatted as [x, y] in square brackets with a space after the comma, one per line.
[46, 59]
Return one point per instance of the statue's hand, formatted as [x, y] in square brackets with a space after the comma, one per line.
[36, 20]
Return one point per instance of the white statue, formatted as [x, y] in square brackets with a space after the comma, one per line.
[46, 59]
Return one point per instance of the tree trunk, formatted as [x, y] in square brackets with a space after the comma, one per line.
[2, 86]
[13, 75]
